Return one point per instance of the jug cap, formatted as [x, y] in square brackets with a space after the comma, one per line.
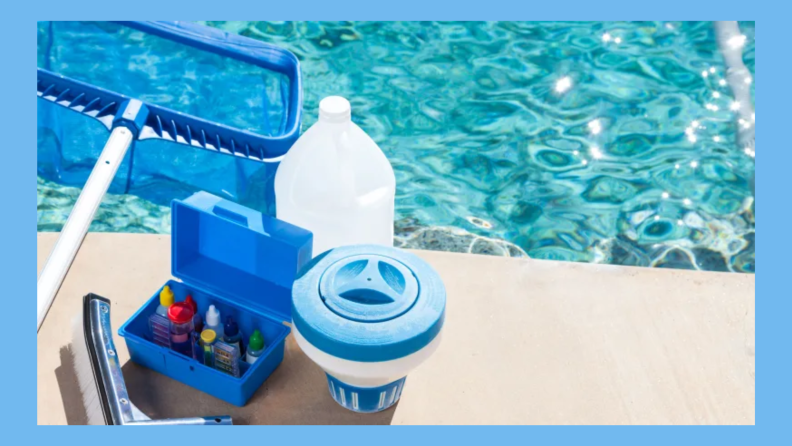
[335, 109]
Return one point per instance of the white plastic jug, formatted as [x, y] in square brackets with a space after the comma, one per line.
[336, 182]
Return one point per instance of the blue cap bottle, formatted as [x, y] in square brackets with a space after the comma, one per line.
[232, 335]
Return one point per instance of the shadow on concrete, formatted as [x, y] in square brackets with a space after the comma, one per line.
[295, 393]
[70, 389]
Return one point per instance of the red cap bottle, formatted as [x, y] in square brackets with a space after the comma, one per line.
[197, 320]
[180, 313]
[181, 317]
[189, 300]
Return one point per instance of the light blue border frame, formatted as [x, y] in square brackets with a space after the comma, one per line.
[774, 330]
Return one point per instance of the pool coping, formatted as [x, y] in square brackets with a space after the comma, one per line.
[526, 342]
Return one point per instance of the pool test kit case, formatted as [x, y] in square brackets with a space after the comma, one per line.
[242, 262]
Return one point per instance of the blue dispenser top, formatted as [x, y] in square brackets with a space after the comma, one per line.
[368, 288]
[236, 252]
[368, 303]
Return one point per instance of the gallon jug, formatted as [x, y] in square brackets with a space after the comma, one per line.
[336, 182]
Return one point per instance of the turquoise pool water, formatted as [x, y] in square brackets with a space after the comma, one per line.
[592, 142]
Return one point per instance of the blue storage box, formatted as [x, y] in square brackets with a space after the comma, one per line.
[243, 263]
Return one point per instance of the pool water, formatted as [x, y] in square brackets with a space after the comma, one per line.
[592, 142]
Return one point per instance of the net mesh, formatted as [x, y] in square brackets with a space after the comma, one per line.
[169, 74]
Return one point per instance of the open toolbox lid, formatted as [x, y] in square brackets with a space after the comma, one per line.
[237, 253]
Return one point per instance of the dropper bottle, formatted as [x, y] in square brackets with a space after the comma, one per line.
[213, 321]
[166, 300]
[232, 336]
[255, 347]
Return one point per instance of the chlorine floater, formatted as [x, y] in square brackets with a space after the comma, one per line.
[368, 315]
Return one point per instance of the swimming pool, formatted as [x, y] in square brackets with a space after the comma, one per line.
[592, 142]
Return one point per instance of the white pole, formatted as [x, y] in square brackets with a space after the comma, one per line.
[80, 218]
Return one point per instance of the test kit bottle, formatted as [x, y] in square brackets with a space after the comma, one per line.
[159, 324]
[213, 321]
[232, 336]
[166, 300]
[255, 347]
[181, 325]
[197, 319]
[208, 339]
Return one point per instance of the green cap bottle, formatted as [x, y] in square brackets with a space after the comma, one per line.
[255, 347]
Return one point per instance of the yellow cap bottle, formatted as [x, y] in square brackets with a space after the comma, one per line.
[166, 300]
[208, 338]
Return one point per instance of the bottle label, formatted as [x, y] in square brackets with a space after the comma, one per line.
[226, 358]
[160, 330]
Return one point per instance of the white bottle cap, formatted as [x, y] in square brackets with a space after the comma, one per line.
[212, 316]
[335, 109]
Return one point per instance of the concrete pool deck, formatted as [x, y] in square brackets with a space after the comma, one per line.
[525, 342]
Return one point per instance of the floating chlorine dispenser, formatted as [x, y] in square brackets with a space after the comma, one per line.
[368, 315]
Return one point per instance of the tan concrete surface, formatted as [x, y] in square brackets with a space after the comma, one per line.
[525, 342]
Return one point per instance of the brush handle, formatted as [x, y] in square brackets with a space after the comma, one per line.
[115, 403]
[194, 421]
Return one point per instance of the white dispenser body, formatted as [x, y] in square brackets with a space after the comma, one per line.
[365, 374]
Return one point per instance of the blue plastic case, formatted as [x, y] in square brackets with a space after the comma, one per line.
[242, 262]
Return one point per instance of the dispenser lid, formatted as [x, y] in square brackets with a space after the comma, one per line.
[368, 303]
[368, 288]
[236, 252]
